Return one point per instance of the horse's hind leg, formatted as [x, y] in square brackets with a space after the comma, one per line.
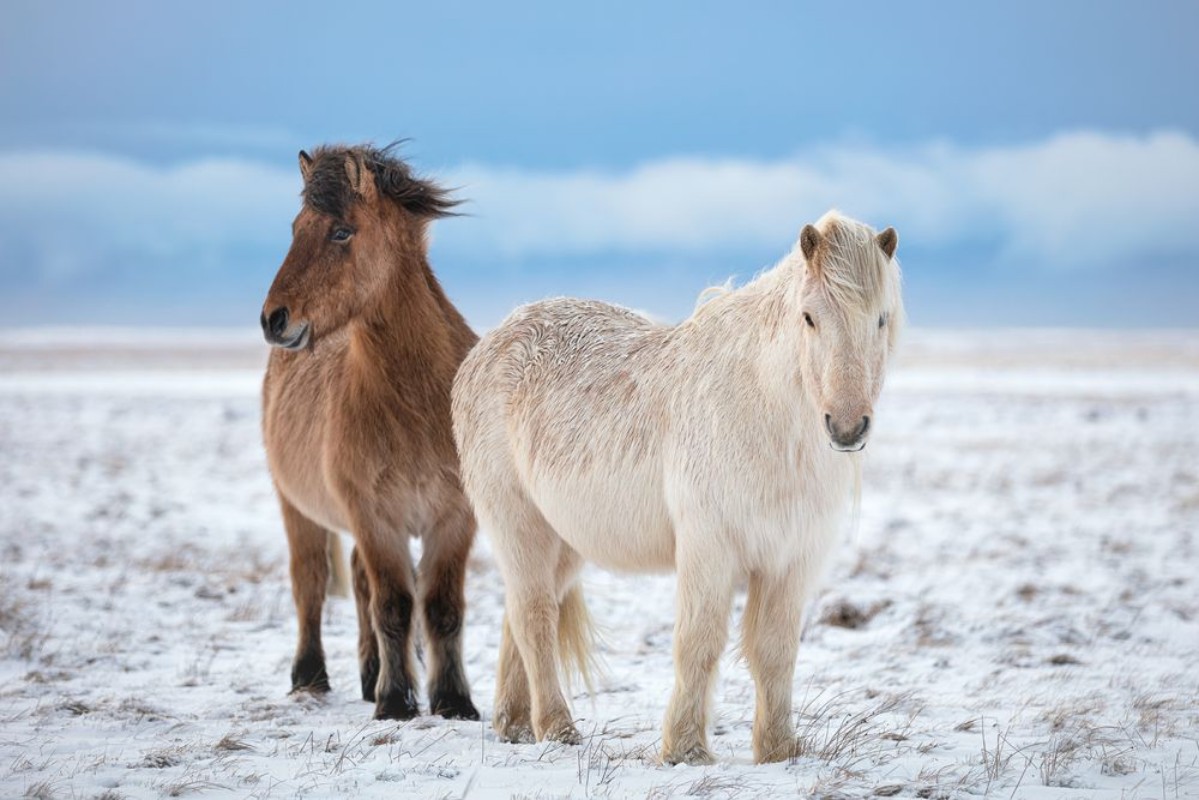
[443, 605]
[309, 565]
[388, 567]
[529, 551]
[770, 641]
[513, 706]
[368, 643]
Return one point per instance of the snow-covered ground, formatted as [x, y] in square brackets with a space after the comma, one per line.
[1017, 616]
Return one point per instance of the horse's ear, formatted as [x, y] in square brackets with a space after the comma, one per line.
[809, 240]
[305, 166]
[362, 180]
[888, 240]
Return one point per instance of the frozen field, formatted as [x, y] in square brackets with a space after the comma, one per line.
[1018, 615]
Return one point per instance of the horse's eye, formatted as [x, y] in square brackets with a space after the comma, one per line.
[341, 235]
[882, 320]
[808, 319]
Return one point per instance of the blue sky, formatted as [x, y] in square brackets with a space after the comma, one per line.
[1040, 160]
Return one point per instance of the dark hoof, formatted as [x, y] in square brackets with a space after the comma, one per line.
[315, 687]
[320, 687]
[308, 675]
[397, 706]
[453, 706]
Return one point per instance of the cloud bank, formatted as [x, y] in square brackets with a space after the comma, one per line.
[63, 215]
[1072, 201]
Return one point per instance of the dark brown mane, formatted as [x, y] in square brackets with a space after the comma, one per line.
[328, 188]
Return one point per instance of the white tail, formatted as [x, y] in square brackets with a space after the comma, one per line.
[339, 573]
[576, 638]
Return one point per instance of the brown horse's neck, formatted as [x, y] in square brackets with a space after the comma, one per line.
[410, 331]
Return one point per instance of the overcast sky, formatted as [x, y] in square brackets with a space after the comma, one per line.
[1040, 160]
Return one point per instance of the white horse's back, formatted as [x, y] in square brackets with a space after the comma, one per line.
[573, 425]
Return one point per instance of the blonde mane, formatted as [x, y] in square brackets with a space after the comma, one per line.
[855, 274]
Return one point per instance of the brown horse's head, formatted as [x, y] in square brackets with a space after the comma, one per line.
[364, 213]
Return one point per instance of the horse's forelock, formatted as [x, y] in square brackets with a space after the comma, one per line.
[851, 266]
[328, 189]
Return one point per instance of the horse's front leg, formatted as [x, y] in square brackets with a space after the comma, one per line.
[443, 606]
[705, 597]
[770, 633]
[387, 565]
[308, 548]
[368, 642]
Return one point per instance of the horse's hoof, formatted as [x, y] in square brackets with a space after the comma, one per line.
[772, 755]
[315, 686]
[516, 734]
[695, 756]
[397, 706]
[513, 728]
[308, 674]
[453, 706]
[566, 733]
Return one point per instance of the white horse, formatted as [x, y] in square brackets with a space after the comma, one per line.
[717, 447]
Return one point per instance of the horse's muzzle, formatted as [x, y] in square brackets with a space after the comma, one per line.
[297, 342]
[280, 334]
[847, 441]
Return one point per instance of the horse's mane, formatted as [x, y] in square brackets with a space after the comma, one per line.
[848, 264]
[328, 188]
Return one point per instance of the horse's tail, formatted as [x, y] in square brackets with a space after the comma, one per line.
[576, 638]
[339, 573]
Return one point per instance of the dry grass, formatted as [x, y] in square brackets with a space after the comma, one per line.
[603, 756]
[712, 786]
[24, 628]
[996, 755]
[43, 790]
[231, 744]
[1057, 761]
[1065, 715]
[829, 731]
[844, 613]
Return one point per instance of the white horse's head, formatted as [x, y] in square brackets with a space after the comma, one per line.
[850, 315]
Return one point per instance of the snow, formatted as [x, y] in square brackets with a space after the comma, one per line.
[1017, 614]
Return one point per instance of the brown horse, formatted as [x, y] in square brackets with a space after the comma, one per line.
[356, 418]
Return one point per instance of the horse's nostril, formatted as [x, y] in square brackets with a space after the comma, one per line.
[844, 434]
[277, 322]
